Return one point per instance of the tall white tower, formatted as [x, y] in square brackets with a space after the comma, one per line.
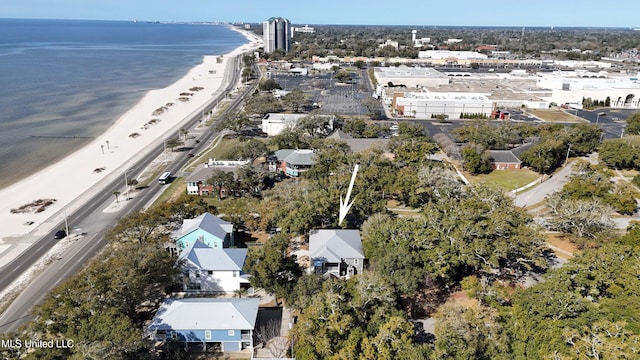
[413, 36]
[277, 34]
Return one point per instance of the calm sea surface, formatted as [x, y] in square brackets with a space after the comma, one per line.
[75, 78]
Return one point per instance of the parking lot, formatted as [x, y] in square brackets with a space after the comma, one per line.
[330, 96]
[611, 121]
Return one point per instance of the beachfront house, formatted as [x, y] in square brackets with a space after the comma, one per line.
[336, 252]
[213, 270]
[214, 323]
[197, 181]
[208, 228]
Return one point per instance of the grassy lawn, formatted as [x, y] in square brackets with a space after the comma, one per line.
[213, 153]
[504, 179]
[400, 209]
[177, 187]
[552, 115]
[629, 174]
[563, 243]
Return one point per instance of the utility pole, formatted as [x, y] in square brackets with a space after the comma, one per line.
[164, 143]
[522, 41]
[66, 223]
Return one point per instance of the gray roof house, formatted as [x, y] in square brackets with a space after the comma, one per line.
[359, 144]
[213, 270]
[226, 324]
[504, 159]
[336, 252]
[197, 180]
[210, 229]
[294, 162]
[508, 159]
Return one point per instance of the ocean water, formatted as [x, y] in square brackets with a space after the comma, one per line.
[62, 78]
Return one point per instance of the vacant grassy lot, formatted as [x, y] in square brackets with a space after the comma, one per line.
[171, 192]
[400, 209]
[552, 115]
[504, 179]
[562, 245]
[220, 148]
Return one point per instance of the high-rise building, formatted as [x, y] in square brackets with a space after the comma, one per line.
[277, 34]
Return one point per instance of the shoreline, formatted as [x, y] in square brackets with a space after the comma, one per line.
[75, 176]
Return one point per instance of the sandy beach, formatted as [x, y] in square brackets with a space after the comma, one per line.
[77, 177]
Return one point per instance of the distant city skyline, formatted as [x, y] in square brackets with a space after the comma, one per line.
[541, 13]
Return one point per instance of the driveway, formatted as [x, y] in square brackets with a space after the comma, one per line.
[549, 186]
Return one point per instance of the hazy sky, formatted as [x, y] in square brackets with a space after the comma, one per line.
[620, 13]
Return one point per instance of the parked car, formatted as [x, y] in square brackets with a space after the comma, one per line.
[60, 234]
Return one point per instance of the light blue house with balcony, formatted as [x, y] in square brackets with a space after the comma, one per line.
[293, 162]
[210, 229]
[223, 324]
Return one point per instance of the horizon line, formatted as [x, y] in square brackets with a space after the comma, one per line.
[432, 26]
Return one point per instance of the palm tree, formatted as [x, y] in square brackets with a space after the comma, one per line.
[173, 143]
[239, 293]
[184, 133]
[116, 194]
[132, 182]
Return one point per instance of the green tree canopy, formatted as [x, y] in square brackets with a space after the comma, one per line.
[269, 85]
[476, 159]
[295, 99]
[271, 269]
[262, 104]
[620, 153]
[633, 124]
[234, 121]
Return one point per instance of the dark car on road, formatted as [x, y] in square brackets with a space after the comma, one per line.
[60, 234]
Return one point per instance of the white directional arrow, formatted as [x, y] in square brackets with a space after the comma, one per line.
[345, 206]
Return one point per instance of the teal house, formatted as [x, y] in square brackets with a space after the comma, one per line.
[210, 229]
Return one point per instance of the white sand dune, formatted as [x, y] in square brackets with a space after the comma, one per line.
[73, 180]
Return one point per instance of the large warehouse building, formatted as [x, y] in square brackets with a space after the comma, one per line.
[409, 77]
[623, 91]
[429, 104]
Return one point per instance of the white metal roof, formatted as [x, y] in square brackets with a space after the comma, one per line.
[207, 258]
[209, 223]
[335, 244]
[206, 314]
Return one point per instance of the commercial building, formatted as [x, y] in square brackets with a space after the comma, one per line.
[622, 91]
[277, 34]
[305, 29]
[428, 104]
[274, 123]
[409, 77]
[448, 54]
